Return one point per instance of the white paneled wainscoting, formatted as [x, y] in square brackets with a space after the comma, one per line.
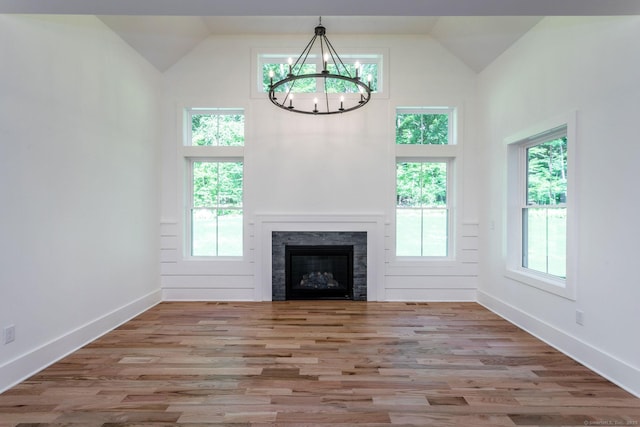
[250, 278]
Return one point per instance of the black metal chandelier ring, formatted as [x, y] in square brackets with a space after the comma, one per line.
[364, 93]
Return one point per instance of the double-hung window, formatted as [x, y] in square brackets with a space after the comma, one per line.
[215, 170]
[540, 235]
[423, 182]
[544, 209]
[422, 208]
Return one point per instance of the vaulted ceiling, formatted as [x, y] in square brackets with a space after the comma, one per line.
[476, 31]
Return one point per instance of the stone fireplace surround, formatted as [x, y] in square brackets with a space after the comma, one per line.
[266, 226]
[281, 239]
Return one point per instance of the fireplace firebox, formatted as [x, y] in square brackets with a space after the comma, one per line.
[319, 272]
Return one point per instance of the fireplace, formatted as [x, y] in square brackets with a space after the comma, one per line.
[319, 272]
[357, 240]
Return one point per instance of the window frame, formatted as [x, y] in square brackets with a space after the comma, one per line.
[448, 111]
[190, 202]
[187, 154]
[517, 171]
[190, 112]
[449, 163]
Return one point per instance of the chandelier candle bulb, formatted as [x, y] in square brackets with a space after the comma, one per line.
[290, 60]
[271, 77]
[341, 102]
[291, 101]
[357, 69]
[326, 60]
[315, 105]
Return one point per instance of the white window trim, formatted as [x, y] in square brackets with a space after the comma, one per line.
[516, 166]
[430, 152]
[348, 55]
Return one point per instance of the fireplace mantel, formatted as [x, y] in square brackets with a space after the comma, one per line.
[265, 224]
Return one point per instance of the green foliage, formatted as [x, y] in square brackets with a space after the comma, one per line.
[311, 85]
[217, 184]
[422, 129]
[421, 184]
[217, 129]
[280, 71]
[547, 173]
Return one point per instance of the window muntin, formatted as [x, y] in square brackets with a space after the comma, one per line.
[544, 214]
[216, 213]
[422, 209]
[424, 126]
[369, 65]
[215, 127]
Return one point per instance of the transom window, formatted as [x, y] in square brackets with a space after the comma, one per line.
[366, 64]
[215, 127]
[423, 126]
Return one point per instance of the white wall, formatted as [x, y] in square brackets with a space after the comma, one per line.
[313, 165]
[79, 202]
[590, 65]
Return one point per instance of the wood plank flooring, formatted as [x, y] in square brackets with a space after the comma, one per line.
[317, 363]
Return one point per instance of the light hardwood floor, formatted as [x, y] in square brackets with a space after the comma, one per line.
[317, 363]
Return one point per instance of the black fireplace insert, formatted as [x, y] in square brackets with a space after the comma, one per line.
[319, 272]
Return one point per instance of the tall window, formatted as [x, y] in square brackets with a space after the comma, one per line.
[422, 210]
[541, 235]
[544, 210]
[424, 163]
[215, 182]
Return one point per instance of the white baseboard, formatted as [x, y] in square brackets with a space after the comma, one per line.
[21, 368]
[604, 364]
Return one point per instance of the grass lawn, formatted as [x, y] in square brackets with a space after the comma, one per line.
[217, 235]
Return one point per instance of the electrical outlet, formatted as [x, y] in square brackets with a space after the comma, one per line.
[9, 334]
[580, 317]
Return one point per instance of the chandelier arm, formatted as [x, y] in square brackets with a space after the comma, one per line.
[332, 50]
[305, 52]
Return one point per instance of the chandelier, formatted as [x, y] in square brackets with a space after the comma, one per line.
[337, 90]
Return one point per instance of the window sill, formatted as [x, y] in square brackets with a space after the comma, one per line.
[543, 282]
